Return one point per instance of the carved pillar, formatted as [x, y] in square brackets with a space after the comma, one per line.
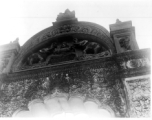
[123, 34]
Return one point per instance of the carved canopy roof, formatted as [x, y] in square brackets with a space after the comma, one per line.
[66, 31]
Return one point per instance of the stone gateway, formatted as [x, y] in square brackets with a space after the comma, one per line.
[76, 68]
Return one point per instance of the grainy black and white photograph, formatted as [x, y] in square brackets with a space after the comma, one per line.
[75, 59]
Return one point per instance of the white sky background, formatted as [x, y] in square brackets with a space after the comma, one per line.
[24, 18]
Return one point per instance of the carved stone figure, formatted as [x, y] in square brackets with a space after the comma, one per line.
[92, 48]
[124, 43]
[79, 46]
[46, 83]
[41, 55]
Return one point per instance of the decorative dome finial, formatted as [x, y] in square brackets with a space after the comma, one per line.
[67, 15]
[118, 21]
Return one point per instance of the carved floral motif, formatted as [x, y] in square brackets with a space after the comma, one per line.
[135, 63]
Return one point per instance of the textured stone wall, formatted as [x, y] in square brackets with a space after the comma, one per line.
[89, 81]
[103, 79]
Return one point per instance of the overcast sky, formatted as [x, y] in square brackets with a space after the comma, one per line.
[24, 18]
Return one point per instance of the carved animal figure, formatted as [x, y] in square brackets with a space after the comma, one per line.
[64, 51]
[41, 55]
[35, 58]
[92, 48]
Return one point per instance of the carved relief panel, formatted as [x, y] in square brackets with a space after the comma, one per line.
[63, 50]
[138, 89]
[123, 34]
[123, 42]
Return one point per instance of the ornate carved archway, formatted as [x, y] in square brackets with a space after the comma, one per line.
[74, 59]
[59, 31]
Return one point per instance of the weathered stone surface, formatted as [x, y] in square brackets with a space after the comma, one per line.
[139, 95]
[99, 79]
[75, 58]
[17, 94]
